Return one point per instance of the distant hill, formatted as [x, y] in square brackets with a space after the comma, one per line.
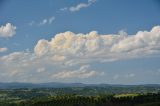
[39, 85]
[15, 85]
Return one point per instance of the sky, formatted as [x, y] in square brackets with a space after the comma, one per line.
[87, 41]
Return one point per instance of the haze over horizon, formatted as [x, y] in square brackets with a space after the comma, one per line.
[87, 41]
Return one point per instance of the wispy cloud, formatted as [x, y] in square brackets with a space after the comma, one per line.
[31, 23]
[131, 75]
[7, 30]
[78, 6]
[41, 69]
[64, 9]
[115, 77]
[47, 21]
[42, 22]
[50, 20]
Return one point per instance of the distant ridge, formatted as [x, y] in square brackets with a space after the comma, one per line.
[16, 85]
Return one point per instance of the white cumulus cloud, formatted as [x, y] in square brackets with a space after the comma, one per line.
[142, 39]
[93, 46]
[3, 49]
[68, 55]
[7, 30]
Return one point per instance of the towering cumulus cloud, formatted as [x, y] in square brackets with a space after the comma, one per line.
[140, 41]
[70, 56]
[94, 46]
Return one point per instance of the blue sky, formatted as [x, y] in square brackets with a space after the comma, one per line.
[122, 56]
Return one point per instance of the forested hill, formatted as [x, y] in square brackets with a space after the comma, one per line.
[15, 85]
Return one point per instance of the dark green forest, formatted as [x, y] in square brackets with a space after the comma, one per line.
[99, 100]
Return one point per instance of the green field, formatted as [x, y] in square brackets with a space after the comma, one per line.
[126, 95]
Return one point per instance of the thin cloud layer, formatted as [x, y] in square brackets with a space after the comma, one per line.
[7, 30]
[81, 73]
